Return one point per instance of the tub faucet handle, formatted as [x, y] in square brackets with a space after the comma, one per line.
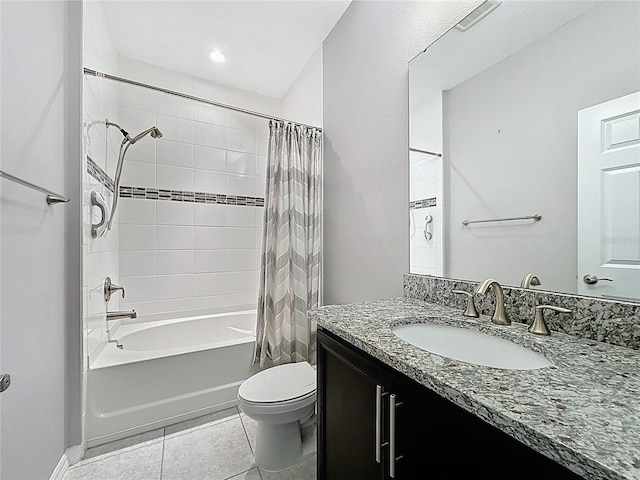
[471, 310]
[110, 289]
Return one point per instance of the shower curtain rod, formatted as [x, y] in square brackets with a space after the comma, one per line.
[88, 71]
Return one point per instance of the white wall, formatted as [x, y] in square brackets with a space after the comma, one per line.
[365, 110]
[507, 162]
[303, 101]
[37, 102]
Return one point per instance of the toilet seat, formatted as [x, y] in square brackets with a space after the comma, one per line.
[280, 384]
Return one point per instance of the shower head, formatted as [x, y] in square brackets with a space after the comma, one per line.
[153, 131]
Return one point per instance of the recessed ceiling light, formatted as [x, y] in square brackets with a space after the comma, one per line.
[217, 56]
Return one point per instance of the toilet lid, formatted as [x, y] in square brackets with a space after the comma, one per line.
[280, 383]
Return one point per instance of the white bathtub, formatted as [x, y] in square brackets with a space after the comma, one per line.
[166, 372]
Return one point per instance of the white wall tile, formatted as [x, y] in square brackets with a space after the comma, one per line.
[242, 121]
[216, 301]
[174, 213]
[241, 282]
[144, 150]
[174, 178]
[174, 106]
[210, 214]
[242, 163]
[138, 174]
[208, 135]
[236, 299]
[244, 185]
[174, 261]
[241, 140]
[240, 238]
[209, 181]
[210, 261]
[209, 114]
[209, 158]
[177, 154]
[137, 211]
[141, 308]
[261, 165]
[139, 289]
[137, 263]
[209, 284]
[135, 120]
[174, 238]
[176, 129]
[176, 305]
[174, 286]
[241, 216]
[209, 238]
[137, 237]
[137, 97]
[242, 260]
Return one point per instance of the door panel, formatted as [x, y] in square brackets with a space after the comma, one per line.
[609, 198]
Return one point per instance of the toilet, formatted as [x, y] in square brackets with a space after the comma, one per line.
[282, 400]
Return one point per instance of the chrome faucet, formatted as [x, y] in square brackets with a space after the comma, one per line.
[530, 280]
[500, 315]
[121, 314]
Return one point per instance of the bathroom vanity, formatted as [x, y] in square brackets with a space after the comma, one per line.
[388, 409]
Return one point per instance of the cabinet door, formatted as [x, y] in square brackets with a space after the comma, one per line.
[347, 427]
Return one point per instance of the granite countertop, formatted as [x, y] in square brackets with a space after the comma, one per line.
[583, 412]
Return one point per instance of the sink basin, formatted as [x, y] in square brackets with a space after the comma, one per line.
[470, 346]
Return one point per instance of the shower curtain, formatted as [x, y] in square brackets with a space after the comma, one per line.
[290, 270]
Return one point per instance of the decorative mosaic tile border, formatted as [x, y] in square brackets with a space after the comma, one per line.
[185, 196]
[426, 202]
[99, 174]
[609, 321]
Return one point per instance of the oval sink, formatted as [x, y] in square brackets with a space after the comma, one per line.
[470, 346]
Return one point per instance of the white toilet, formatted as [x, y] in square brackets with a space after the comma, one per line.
[280, 399]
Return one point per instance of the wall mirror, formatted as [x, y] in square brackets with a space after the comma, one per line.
[525, 148]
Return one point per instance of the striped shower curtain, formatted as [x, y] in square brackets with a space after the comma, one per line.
[290, 272]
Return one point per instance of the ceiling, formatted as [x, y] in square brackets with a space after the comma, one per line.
[267, 43]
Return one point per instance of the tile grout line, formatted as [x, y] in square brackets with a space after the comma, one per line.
[164, 437]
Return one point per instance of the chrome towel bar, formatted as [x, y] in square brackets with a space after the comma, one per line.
[52, 198]
[537, 217]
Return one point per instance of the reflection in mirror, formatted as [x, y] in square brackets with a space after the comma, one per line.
[530, 112]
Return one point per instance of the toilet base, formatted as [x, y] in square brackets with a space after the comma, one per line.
[281, 446]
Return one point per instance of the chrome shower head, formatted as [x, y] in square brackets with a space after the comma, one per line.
[155, 133]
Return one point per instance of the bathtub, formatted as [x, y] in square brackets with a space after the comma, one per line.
[167, 371]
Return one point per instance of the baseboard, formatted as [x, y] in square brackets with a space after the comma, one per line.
[61, 469]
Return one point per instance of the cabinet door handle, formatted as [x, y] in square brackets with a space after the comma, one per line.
[392, 435]
[378, 421]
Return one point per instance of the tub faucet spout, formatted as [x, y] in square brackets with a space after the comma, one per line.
[121, 314]
[500, 315]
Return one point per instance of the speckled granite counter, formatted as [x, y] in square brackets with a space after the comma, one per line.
[584, 412]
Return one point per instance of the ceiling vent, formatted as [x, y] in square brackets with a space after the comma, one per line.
[478, 14]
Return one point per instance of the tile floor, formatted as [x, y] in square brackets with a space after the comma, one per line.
[214, 447]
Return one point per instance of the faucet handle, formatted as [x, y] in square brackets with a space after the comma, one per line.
[539, 326]
[471, 310]
[110, 289]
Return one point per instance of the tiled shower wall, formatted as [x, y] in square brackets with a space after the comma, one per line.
[191, 229]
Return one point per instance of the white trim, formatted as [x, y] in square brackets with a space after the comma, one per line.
[61, 469]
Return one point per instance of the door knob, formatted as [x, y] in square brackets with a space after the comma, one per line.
[593, 279]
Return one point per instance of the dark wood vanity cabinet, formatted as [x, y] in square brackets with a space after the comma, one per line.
[367, 409]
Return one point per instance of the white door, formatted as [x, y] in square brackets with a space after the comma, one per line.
[609, 199]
